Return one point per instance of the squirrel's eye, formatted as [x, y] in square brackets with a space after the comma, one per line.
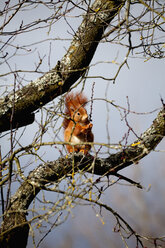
[78, 113]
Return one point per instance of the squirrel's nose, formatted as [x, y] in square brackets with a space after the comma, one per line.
[85, 117]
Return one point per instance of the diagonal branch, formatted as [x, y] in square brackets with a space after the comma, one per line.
[65, 73]
[56, 170]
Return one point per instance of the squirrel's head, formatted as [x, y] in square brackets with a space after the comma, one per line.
[74, 108]
[79, 115]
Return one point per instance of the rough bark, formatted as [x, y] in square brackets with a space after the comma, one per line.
[17, 108]
[55, 170]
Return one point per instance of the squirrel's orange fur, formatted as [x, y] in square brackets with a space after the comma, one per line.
[76, 123]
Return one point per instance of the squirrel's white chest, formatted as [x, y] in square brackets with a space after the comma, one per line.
[75, 140]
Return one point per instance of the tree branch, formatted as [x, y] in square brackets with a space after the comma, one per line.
[67, 71]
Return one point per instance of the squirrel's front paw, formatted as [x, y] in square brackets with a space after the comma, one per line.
[90, 125]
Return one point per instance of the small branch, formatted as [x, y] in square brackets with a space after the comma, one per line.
[118, 26]
[138, 185]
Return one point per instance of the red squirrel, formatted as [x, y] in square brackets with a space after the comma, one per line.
[76, 123]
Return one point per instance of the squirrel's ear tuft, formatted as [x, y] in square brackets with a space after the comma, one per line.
[72, 109]
[75, 100]
[82, 99]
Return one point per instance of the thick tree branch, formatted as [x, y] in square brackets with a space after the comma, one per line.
[56, 170]
[67, 71]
